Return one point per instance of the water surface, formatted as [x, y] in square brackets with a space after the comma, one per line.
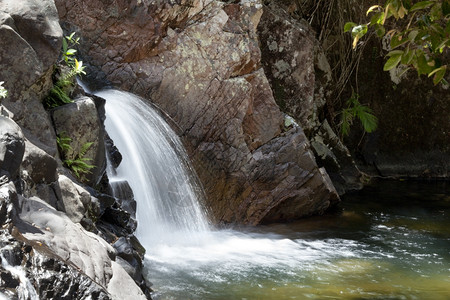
[389, 241]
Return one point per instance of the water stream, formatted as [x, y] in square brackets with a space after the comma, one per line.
[390, 241]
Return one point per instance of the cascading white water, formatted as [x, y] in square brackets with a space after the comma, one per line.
[25, 290]
[155, 165]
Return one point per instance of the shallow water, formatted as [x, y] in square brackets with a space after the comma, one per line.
[389, 241]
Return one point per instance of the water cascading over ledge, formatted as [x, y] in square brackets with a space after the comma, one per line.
[157, 169]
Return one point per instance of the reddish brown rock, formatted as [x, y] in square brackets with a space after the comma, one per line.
[200, 62]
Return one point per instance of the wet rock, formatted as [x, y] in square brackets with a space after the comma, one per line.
[200, 63]
[81, 123]
[12, 147]
[49, 278]
[117, 216]
[331, 153]
[124, 195]
[8, 280]
[115, 157]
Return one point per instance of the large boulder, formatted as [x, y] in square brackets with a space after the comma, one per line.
[200, 62]
[40, 166]
[72, 198]
[30, 41]
[80, 122]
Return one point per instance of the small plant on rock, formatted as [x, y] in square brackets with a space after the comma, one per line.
[3, 91]
[354, 109]
[80, 164]
[69, 68]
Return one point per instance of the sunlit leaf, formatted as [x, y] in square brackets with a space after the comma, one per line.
[71, 52]
[359, 30]
[377, 18]
[348, 26]
[392, 62]
[373, 8]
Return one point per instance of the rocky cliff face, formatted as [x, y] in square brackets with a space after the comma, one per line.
[50, 244]
[302, 83]
[200, 62]
[413, 133]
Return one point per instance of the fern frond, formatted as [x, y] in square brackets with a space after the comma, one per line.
[85, 148]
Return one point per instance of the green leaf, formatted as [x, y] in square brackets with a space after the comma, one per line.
[398, 40]
[395, 52]
[64, 45]
[69, 37]
[438, 76]
[412, 35]
[368, 120]
[348, 26]
[422, 65]
[392, 62]
[377, 18]
[443, 44]
[407, 56]
[71, 52]
[346, 121]
[438, 73]
[421, 5]
[359, 31]
[380, 30]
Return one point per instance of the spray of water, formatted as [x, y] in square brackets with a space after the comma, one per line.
[25, 290]
[155, 165]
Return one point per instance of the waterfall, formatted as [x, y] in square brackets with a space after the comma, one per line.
[25, 290]
[156, 167]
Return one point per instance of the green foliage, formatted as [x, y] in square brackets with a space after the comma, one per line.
[3, 91]
[56, 97]
[354, 110]
[80, 164]
[63, 142]
[58, 94]
[68, 53]
[417, 38]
